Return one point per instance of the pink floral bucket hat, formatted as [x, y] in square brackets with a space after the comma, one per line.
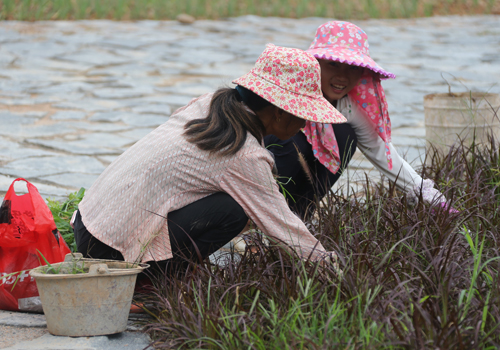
[291, 80]
[345, 42]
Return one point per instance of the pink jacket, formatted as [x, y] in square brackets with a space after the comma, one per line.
[163, 172]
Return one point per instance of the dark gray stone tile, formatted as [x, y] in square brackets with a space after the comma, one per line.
[32, 114]
[132, 119]
[120, 43]
[34, 48]
[51, 165]
[125, 340]
[137, 133]
[10, 150]
[109, 117]
[55, 63]
[135, 69]
[122, 93]
[12, 123]
[73, 180]
[19, 319]
[63, 88]
[144, 120]
[203, 56]
[107, 159]
[6, 58]
[5, 182]
[20, 85]
[172, 99]
[27, 101]
[90, 144]
[94, 57]
[89, 105]
[196, 89]
[31, 75]
[30, 129]
[63, 115]
[97, 126]
[161, 109]
[14, 94]
[227, 70]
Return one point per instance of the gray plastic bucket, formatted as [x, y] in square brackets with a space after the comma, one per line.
[450, 118]
[96, 302]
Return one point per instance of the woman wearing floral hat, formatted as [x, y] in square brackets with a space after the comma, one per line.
[207, 172]
[350, 81]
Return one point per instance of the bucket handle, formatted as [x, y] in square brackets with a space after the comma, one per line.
[71, 257]
[99, 269]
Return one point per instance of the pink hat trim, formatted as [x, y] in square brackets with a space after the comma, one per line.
[385, 74]
[346, 43]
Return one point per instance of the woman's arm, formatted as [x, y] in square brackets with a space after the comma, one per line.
[250, 182]
[402, 173]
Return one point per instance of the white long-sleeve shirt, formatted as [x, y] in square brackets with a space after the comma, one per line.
[373, 148]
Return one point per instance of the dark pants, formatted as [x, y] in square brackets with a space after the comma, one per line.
[300, 187]
[200, 227]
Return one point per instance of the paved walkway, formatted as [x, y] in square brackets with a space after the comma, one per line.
[23, 331]
[75, 95]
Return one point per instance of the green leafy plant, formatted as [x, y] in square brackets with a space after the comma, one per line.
[62, 212]
[76, 266]
[3, 279]
[282, 181]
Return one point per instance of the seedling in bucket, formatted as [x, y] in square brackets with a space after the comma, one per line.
[86, 297]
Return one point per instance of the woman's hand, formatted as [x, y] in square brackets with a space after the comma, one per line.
[328, 263]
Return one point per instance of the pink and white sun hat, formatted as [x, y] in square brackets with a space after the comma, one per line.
[345, 42]
[291, 80]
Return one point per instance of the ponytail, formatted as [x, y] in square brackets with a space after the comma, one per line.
[225, 128]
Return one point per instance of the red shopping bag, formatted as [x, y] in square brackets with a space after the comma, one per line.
[26, 228]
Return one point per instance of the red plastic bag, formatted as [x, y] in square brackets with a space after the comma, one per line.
[26, 225]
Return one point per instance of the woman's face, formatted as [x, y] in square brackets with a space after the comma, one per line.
[287, 125]
[337, 79]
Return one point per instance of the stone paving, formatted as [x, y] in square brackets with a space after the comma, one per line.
[75, 95]
[25, 331]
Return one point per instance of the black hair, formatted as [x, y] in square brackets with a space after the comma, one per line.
[225, 128]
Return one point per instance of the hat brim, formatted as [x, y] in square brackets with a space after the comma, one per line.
[302, 106]
[361, 60]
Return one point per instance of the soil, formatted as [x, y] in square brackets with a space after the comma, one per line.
[13, 335]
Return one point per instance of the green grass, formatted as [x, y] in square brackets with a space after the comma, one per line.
[62, 212]
[34, 10]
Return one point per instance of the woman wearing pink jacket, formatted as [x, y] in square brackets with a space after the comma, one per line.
[192, 184]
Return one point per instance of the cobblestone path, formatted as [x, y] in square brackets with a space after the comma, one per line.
[74, 95]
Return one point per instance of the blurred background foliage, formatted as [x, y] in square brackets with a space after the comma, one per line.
[34, 10]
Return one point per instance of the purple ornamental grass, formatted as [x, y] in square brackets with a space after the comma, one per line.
[415, 276]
